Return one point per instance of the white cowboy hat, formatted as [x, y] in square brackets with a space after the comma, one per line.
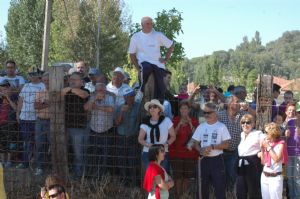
[119, 70]
[153, 102]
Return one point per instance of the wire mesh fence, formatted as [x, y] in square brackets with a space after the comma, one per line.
[103, 160]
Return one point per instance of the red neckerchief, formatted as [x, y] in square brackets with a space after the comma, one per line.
[267, 156]
[152, 171]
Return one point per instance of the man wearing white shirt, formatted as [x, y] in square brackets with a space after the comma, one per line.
[116, 86]
[210, 138]
[26, 114]
[144, 50]
[16, 82]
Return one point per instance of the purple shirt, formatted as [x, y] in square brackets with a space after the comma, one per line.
[282, 107]
[293, 142]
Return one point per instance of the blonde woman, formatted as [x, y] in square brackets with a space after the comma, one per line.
[274, 154]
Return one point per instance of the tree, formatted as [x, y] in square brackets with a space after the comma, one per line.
[169, 22]
[24, 32]
[3, 51]
[75, 26]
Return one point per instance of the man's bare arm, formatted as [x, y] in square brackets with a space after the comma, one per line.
[134, 61]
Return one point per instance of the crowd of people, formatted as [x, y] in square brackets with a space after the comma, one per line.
[207, 130]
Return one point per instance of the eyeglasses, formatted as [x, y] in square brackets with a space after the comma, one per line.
[246, 122]
[207, 112]
[54, 195]
[153, 106]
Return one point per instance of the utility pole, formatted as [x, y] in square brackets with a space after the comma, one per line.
[46, 36]
[98, 36]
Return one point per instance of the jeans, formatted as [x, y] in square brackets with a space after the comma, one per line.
[165, 163]
[230, 160]
[213, 171]
[78, 138]
[27, 128]
[293, 174]
[42, 138]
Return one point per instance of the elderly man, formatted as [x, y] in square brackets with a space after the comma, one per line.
[94, 73]
[231, 118]
[144, 50]
[127, 128]
[210, 139]
[76, 119]
[117, 85]
[101, 136]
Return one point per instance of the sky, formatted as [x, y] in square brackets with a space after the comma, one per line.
[212, 25]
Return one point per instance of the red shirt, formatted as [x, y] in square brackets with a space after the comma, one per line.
[178, 149]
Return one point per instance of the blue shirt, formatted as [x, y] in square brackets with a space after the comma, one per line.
[129, 126]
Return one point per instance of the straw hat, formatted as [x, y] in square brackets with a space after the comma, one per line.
[153, 102]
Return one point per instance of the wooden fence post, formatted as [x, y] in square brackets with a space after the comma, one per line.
[264, 101]
[59, 141]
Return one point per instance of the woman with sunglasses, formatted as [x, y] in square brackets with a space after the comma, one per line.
[156, 129]
[249, 165]
[156, 181]
[273, 155]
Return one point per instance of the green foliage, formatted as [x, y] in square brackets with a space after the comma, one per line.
[169, 22]
[74, 33]
[242, 65]
[24, 32]
[3, 51]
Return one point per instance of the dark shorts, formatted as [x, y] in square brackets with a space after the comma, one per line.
[183, 168]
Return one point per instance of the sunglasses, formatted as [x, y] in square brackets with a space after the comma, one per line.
[207, 112]
[153, 106]
[246, 122]
[54, 195]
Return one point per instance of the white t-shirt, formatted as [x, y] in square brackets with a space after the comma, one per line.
[147, 46]
[119, 92]
[164, 127]
[28, 94]
[250, 145]
[15, 82]
[209, 134]
[275, 166]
